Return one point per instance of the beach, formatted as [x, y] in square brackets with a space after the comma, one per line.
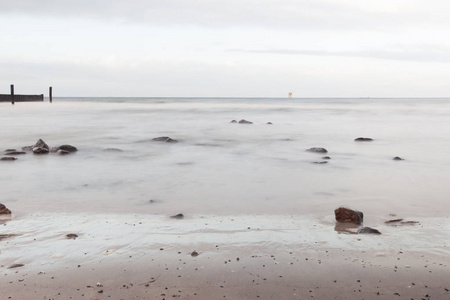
[258, 209]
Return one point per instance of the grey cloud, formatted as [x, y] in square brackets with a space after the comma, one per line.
[294, 14]
[438, 54]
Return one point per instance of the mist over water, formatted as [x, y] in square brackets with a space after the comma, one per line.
[223, 168]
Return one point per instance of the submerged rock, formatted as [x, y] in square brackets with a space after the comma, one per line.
[368, 230]
[363, 139]
[317, 150]
[113, 150]
[40, 150]
[245, 122]
[62, 152]
[71, 236]
[4, 210]
[15, 152]
[233, 121]
[393, 221]
[326, 157]
[179, 216]
[320, 162]
[8, 158]
[346, 215]
[269, 123]
[68, 148]
[10, 150]
[397, 158]
[165, 139]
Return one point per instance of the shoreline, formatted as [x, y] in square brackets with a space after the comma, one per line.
[240, 257]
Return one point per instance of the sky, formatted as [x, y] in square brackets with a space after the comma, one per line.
[232, 48]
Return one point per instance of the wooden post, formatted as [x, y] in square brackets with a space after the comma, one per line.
[50, 94]
[12, 94]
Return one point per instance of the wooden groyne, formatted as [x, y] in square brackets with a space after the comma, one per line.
[24, 98]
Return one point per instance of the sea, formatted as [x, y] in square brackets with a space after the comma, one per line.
[253, 186]
[219, 167]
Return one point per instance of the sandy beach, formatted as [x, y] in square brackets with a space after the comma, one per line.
[215, 257]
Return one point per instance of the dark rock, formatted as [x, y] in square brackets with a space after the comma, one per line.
[363, 139]
[320, 162]
[15, 266]
[10, 150]
[368, 230]
[113, 150]
[4, 210]
[179, 216]
[62, 152]
[245, 122]
[410, 222]
[40, 150]
[194, 253]
[165, 139]
[71, 236]
[233, 121]
[326, 157]
[317, 150]
[345, 215]
[397, 158]
[393, 221]
[8, 158]
[269, 123]
[68, 148]
[15, 153]
[40, 144]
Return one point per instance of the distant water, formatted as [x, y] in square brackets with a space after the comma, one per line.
[223, 168]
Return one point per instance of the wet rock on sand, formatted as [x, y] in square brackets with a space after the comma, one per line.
[320, 162]
[4, 210]
[346, 215]
[245, 122]
[397, 158]
[15, 266]
[71, 236]
[233, 121]
[363, 139]
[317, 150]
[165, 139]
[368, 230]
[178, 216]
[62, 152]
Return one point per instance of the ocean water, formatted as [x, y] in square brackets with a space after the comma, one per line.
[220, 168]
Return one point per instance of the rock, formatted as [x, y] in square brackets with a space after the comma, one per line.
[179, 216]
[368, 230]
[269, 123]
[15, 266]
[40, 144]
[15, 153]
[393, 221]
[8, 158]
[165, 139]
[4, 210]
[194, 253]
[40, 150]
[68, 148]
[326, 157]
[113, 150]
[317, 150]
[245, 122]
[233, 121]
[320, 162]
[345, 215]
[397, 158]
[71, 236]
[10, 150]
[62, 152]
[363, 139]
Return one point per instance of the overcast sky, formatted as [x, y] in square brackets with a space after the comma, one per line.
[232, 48]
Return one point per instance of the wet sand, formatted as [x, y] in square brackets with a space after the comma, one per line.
[239, 257]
